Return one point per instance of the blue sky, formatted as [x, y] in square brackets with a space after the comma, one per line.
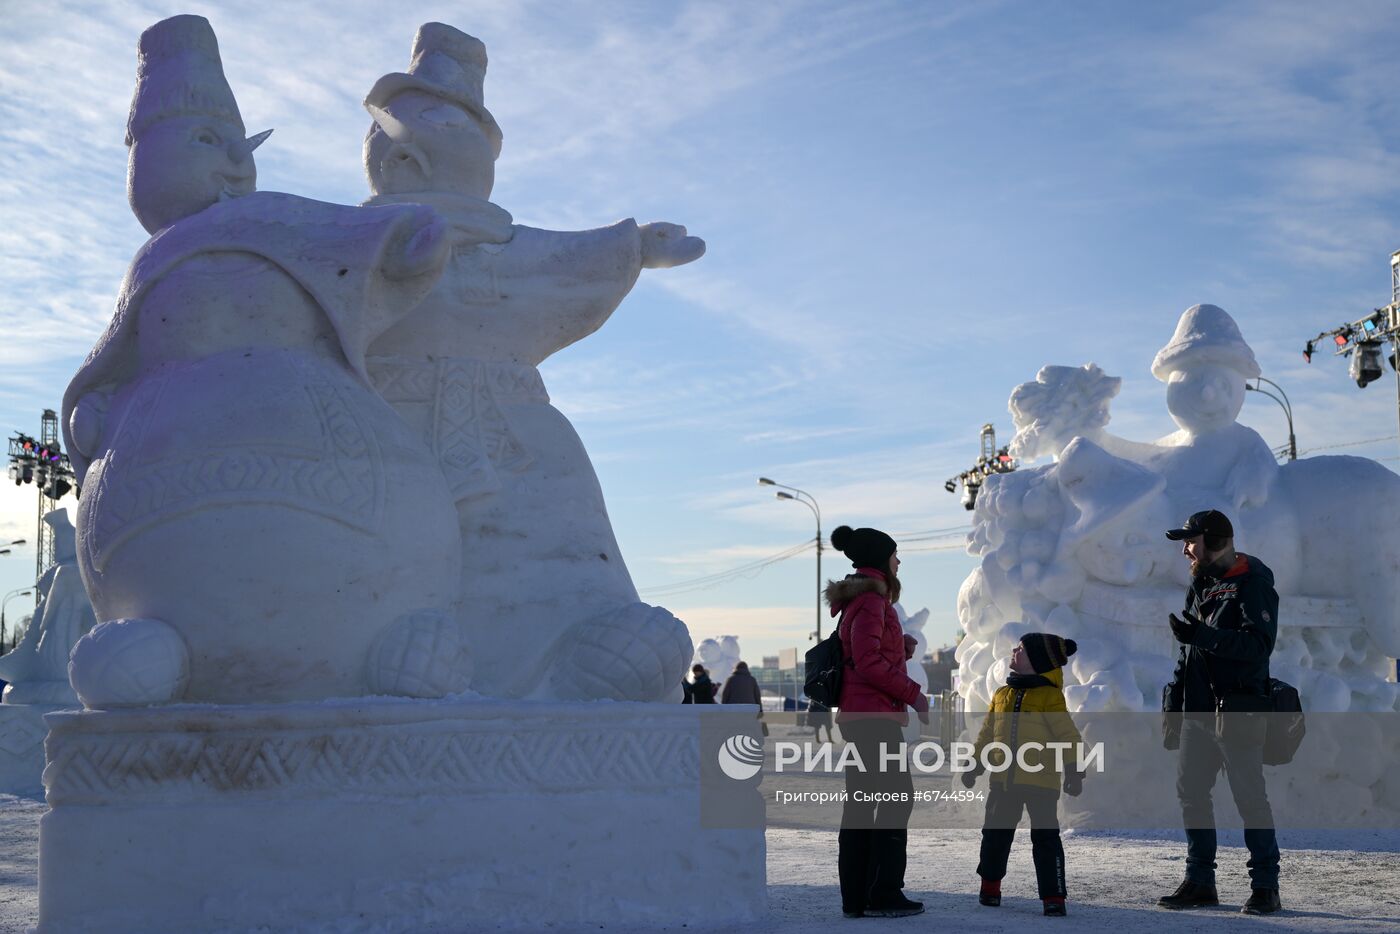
[910, 208]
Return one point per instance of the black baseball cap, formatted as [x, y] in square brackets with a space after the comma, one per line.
[1210, 522]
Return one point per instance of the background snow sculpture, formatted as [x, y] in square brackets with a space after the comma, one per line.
[540, 564]
[914, 626]
[37, 669]
[719, 656]
[1076, 546]
[253, 513]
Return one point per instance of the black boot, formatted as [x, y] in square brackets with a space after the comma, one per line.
[990, 894]
[1190, 895]
[1262, 902]
[1054, 907]
[897, 907]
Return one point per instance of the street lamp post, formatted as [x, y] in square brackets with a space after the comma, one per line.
[810, 502]
[1284, 404]
[5, 605]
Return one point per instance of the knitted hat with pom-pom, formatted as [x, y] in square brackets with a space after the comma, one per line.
[867, 548]
[1047, 651]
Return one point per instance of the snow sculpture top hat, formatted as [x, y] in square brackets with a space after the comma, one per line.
[449, 64]
[1101, 486]
[64, 543]
[1205, 334]
[179, 74]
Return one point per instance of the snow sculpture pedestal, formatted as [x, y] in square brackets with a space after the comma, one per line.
[385, 815]
[22, 732]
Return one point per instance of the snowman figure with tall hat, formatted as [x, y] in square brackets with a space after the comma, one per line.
[1205, 366]
[540, 564]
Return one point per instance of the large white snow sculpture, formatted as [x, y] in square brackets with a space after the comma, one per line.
[247, 496]
[261, 532]
[1076, 546]
[540, 562]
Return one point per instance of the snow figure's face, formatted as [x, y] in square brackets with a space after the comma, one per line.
[426, 143]
[182, 165]
[1205, 398]
[1123, 557]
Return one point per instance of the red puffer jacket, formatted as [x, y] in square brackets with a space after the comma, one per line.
[873, 642]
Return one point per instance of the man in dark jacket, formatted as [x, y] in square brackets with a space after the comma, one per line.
[741, 687]
[1215, 705]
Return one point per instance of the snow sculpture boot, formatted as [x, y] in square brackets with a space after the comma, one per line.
[1262, 902]
[1190, 895]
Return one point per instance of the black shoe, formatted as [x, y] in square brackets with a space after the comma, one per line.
[991, 901]
[1262, 902]
[897, 907]
[1054, 907]
[1190, 895]
[852, 914]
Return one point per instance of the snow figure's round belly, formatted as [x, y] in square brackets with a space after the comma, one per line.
[275, 512]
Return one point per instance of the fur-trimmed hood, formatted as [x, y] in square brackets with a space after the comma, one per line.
[840, 593]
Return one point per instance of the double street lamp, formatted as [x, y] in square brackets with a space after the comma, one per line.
[810, 501]
[1284, 404]
[21, 592]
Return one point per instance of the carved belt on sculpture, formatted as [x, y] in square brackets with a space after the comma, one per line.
[468, 432]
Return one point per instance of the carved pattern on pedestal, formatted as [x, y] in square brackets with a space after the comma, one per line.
[435, 758]
[20, 731]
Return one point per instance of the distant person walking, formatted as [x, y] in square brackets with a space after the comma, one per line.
[702, 689]
[1221, 678]
[741, 687]
[875, 692]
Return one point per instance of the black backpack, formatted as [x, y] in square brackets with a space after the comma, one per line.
[826, 664]
[1286, 727]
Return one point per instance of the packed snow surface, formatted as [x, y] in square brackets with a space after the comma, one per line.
[1332, 882]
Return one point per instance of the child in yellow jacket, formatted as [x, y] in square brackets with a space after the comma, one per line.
[1029, 709]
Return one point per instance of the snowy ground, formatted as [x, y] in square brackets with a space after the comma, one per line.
[1331, 882]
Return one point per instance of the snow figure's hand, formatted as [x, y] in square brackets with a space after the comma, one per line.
[665, 245]
[420, 246]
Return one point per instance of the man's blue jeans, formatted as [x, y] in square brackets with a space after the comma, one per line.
[1237, 747]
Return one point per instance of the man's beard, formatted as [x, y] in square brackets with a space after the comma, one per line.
[1213, 567]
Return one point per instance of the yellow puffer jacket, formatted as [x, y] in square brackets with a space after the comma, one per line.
[1030, 715]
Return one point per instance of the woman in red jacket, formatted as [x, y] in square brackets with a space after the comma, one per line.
[876, 692]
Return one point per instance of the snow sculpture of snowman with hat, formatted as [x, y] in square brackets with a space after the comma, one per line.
[1074, 544]
[540, 564]
[1205, 366]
